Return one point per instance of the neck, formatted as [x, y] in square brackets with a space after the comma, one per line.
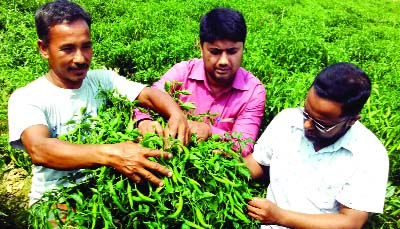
[217, 90]
[324, 142]
[216, 87]
[62, 83]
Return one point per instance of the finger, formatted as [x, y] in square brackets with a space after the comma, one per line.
[182, 135]
[253, 215]
[157, 128]
[154, 166]
[257, 202]
[188, 134]
[251, 208]
[156, 153]
[136, 178]
[167, 142]
[150, 177]
[144, 127]
[252, 203]
[169, 132]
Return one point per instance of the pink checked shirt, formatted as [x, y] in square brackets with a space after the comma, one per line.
[239, 109]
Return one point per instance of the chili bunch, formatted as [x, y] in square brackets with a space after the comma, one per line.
[209, 188]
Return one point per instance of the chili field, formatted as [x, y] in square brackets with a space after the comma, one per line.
[288, 43]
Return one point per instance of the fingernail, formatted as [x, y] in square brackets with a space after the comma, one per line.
[161, 184]
[170, 174]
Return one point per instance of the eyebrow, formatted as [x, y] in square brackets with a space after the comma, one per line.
[216, 47]
[319, 121]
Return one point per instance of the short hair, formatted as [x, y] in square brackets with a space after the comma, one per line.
[346, 84]
[223, 24]
[57, 12]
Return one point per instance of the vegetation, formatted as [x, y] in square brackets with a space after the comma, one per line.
[289, 42]
[209, 188]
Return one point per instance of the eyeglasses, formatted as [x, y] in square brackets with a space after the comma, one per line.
[320, 127]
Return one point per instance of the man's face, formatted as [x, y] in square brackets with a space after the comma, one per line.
[326, 113]
[69, 53]
[222, 58]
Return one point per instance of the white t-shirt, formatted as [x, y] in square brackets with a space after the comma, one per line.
[41, 102]
[353, 171]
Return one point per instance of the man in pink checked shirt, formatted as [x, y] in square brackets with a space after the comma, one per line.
[217, 83]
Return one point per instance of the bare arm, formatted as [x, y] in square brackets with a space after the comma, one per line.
[269, 213]
[129, 158]
[256, 169]
[163, 103]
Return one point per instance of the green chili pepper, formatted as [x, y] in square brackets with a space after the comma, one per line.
[226, 181]
[201, 218]
[144, 198]
[115, 197]
[179, 207]
[177, 175]
[231, 202]
[241, 216]
[129, 192]
[191, 224]
[94, 215]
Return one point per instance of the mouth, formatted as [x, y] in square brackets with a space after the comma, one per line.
[223, 71]
[79, 71]
[310, 135]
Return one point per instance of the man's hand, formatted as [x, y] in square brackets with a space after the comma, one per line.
[203, 130]
[269, 213]
[150, 126]
[263, 210]
[163, 103]
[177, 127]
[131, 159]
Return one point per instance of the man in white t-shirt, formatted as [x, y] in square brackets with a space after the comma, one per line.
[326, 169]
[39, 111]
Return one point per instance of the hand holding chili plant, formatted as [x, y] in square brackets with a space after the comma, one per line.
[263, 210]
[132, 160]
[150, 126]
[177, 127]
[202, 129]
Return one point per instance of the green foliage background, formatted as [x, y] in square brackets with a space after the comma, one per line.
[289, 42]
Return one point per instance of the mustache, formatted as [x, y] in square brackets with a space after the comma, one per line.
[79, 67]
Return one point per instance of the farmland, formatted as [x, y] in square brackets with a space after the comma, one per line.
[288, 43]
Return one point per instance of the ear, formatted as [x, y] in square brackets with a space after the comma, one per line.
[353, 120]
[43, 49]
[201, 48]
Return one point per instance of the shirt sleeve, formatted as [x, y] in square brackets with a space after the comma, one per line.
[365, 190]
[23, 112]
[177, 73]
[126, 87]
[269, 139]
[248, 121]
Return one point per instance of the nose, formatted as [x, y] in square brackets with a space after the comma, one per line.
[79, 57]
[308, 124]
[223, 60]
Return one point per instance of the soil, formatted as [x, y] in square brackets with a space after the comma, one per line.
[14, 188]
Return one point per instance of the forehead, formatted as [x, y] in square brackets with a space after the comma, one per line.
[322, 109]
[69, 32]
[223, 44]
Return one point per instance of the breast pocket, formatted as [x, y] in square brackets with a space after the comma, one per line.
[225, 123]
[323, 196]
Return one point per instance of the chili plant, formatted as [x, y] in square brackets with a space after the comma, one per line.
[208, 189]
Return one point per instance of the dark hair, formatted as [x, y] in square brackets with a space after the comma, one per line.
[346, 84]
[222, 24]
[58, 12]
